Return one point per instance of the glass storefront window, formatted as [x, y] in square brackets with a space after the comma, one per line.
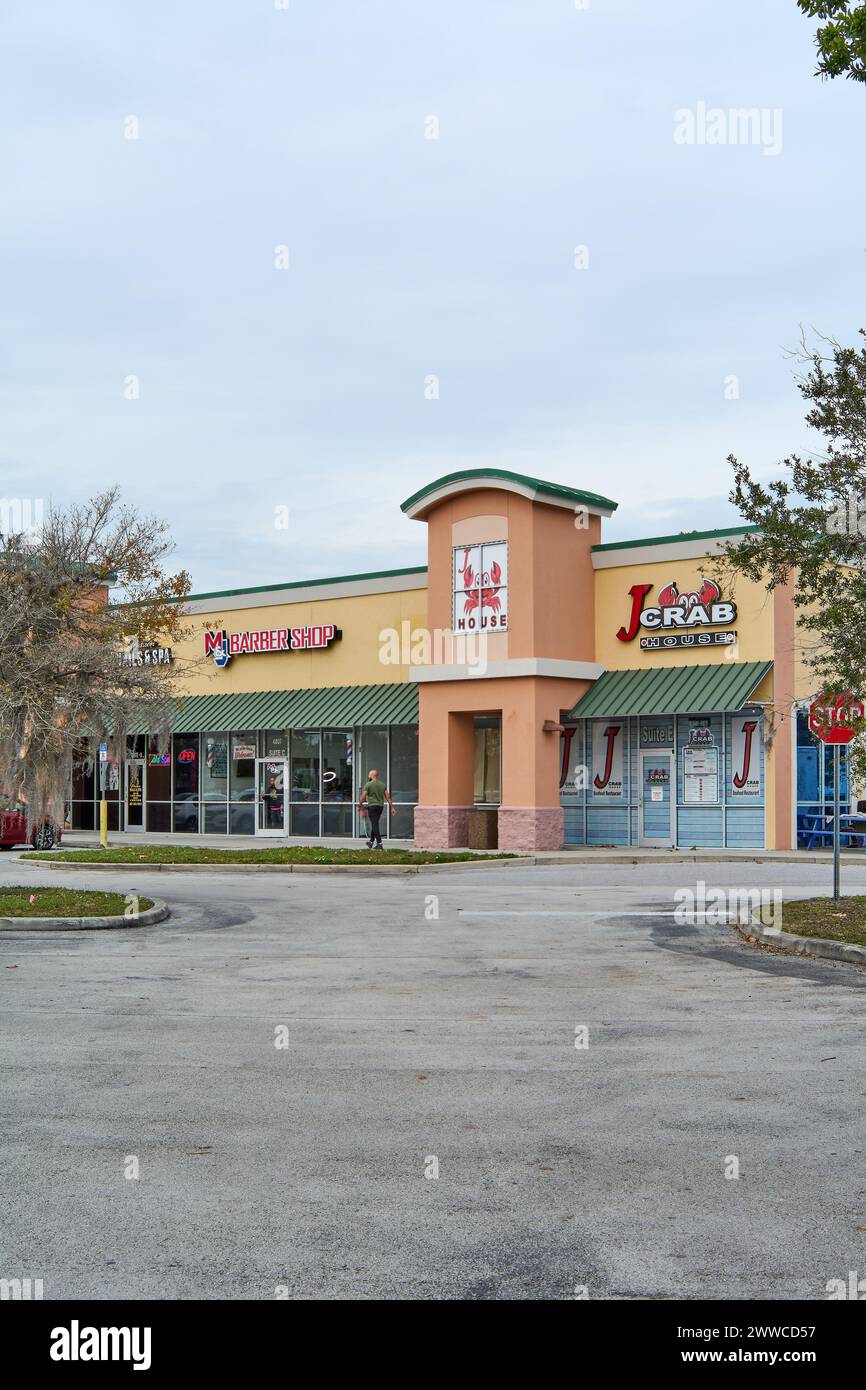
[215, 819]
[488, 761]
[83, 815]
[158, 768]
[305, 819]
[337, 820]
[404, 762]
[215, 767]
[372, 753]
[337, 751]
[243, 767]
[305, 767]
[242, 819]
[185, 820]
[185, 767]
[828, 775]
[158, 815]
[207, 783]
[112, 780]
[83, 781]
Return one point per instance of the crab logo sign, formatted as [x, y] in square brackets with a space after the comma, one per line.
[481, 587]
[684, 612]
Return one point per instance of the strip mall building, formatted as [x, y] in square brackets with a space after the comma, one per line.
[619, 696]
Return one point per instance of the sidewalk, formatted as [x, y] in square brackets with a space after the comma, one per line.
[89, 839]
[575, 854]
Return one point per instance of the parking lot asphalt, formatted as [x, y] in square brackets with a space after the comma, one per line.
[253, 1098]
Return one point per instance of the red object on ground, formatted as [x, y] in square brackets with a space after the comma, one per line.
[830, 719]
[13, 828]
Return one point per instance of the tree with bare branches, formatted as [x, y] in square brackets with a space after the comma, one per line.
[68, 665]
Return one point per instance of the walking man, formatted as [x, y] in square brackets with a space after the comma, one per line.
[375, 794]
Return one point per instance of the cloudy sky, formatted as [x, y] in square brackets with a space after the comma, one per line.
[151, 336]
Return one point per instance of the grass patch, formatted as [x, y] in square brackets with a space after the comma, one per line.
[296, 854]
[841, 921]
[64, 902]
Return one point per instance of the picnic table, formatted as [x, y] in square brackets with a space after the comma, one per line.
[820, 827]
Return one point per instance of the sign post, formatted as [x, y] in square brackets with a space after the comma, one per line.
[103, 804]
[830, 719]
[836, 836]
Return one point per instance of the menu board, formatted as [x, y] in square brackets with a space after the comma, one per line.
[700, 775]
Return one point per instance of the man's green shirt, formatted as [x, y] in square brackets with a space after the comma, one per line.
[375, 793]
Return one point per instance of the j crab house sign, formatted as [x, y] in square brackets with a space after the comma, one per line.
[679, 619]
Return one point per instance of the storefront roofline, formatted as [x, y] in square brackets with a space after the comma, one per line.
[679, 537]
[536, 489]
[306, 584]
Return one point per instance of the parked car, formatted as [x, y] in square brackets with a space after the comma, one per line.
[45, 834]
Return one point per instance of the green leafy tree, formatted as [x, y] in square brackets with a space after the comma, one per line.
[841, 42]
[69, 666]
[812, 522]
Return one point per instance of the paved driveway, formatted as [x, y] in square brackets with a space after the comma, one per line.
[412, 1038]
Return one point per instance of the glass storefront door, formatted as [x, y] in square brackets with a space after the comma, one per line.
[656, 804]
[337, 794]
[272, 785]
[134, 819]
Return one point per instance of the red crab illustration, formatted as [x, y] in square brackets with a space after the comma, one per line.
[488, 582]
[709, 592]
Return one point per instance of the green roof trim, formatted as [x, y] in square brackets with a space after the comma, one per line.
[672, 690]
[336, 706]
[304, 583]
[558, 490]
[680, 536]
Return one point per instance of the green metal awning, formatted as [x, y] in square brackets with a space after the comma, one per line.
[331, 707]
[674, 690]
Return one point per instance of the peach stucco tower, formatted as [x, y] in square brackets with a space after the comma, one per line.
[509, 558]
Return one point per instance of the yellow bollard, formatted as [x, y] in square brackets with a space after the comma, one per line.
[103, 823]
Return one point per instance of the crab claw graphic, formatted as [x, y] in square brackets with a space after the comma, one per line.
[670, 597]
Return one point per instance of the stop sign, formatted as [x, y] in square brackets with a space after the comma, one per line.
[831, 718]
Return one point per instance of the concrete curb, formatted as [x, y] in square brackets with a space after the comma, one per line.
[82, 866]
[806, 945]
[157, 913]
[584, 857]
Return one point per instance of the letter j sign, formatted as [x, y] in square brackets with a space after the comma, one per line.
[608, 738]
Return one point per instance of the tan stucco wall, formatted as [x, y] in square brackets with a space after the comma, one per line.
[753, 623]
[549, 571]
[530, 757]
[353, 660]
